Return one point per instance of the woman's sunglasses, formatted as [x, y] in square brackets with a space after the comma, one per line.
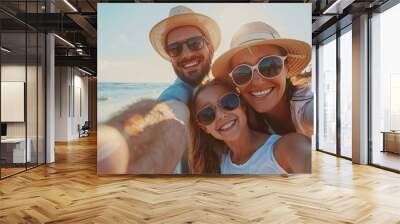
[194, 44]
[268, 67]
[227, 102]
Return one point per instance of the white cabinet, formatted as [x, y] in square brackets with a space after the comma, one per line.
[19, 155]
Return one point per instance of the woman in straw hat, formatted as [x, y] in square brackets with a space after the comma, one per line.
[226, 141]
[262, 66]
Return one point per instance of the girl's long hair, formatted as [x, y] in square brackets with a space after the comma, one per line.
[206, 152]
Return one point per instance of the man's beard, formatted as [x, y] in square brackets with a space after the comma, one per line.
[198, 77]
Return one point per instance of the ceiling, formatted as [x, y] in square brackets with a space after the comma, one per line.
[76, 22]
[73, 20]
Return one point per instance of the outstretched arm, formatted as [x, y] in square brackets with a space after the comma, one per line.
[308, 116]
[293, 153]
[147, 138]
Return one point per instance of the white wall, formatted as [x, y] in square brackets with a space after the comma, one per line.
[71, 93]
[80, 110]
[33, 127]
[16, 73]
[61, 103]
[12, 73]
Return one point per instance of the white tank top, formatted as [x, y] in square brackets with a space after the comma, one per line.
[261, 162]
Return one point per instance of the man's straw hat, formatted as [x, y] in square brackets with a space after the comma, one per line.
[182, 16]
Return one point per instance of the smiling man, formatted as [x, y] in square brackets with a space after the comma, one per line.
[188, 40]
[151, 137]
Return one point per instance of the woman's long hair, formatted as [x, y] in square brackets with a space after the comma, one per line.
[206, 152]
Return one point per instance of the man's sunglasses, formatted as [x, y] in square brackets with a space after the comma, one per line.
[194, 44]
[268, 67]
[227, 102]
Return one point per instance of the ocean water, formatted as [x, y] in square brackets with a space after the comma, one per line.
[114, 97]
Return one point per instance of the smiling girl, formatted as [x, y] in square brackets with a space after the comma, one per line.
[224, 141]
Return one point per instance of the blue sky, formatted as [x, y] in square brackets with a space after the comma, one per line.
[126, 55]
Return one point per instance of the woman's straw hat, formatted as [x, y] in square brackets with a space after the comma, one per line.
[257, 34]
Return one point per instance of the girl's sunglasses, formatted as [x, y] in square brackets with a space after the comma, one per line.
[228, 102]
[194, 44]
[268, 67]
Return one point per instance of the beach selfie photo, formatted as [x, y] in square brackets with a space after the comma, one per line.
[211, 89]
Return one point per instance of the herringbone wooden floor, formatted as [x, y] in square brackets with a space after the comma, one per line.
[70, 191]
